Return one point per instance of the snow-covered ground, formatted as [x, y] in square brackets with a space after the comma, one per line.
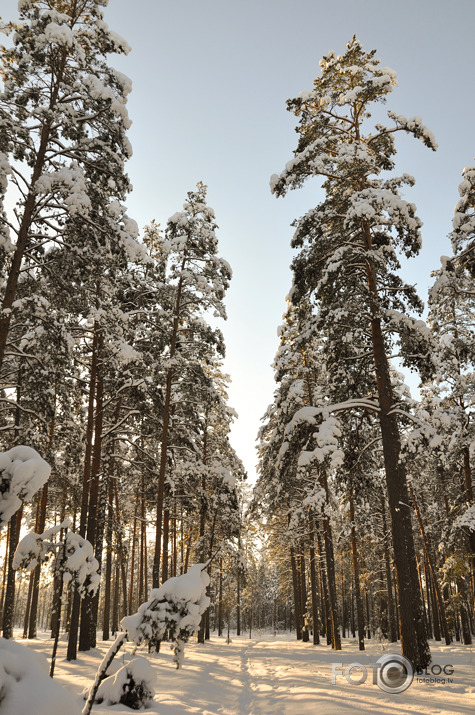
[276, 675]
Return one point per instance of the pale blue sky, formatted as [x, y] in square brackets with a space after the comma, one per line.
[210, 81]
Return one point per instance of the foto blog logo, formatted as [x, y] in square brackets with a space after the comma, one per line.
[392, 673]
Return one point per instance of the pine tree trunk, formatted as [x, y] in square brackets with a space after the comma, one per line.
[238, 605]
[464, 616]
[343, 608]
[327, 626]
[164, 440]
[330, 562]
[389, 586]
[143, 576]
[142, 552]
[203, 510]
[28, 606]
[120, 550]
[303, 596]
[166, 536]
[313, 584]
[297, 597]
[5, 572]
[414, 642]
[174, 559]
[368, 614]
[115, 601]
[87, 617]
[352, 616]
[108, 572]
[356, 578]
[76, 605]
[40, 527]
[32, 575]
[57, 592]
[211, 547]
[220, 599]
[467, 470]
[15, 526]
[98, 550]
[132, 562]
[430, 609]
[428, 552]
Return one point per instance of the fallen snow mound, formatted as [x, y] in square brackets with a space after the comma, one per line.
[25, 686]
[131, 686]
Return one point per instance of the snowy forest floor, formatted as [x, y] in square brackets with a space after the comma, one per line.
[275, 675]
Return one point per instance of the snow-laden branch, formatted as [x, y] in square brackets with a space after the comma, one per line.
[22, 473]
[309, 414]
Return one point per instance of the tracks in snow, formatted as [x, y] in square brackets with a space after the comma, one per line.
[259, 682]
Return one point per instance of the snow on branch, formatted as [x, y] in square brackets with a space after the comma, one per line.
[467, 519]
[73, 558]
[174, 609]
[22, 473]
[309, 414]
[415, 126]
[328, 431]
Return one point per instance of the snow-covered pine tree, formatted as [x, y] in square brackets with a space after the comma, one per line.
[463, 222]
[62, 127]
[293, 471]
[198, 279]
[348, 260]
[450, 396]
[220, 472]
